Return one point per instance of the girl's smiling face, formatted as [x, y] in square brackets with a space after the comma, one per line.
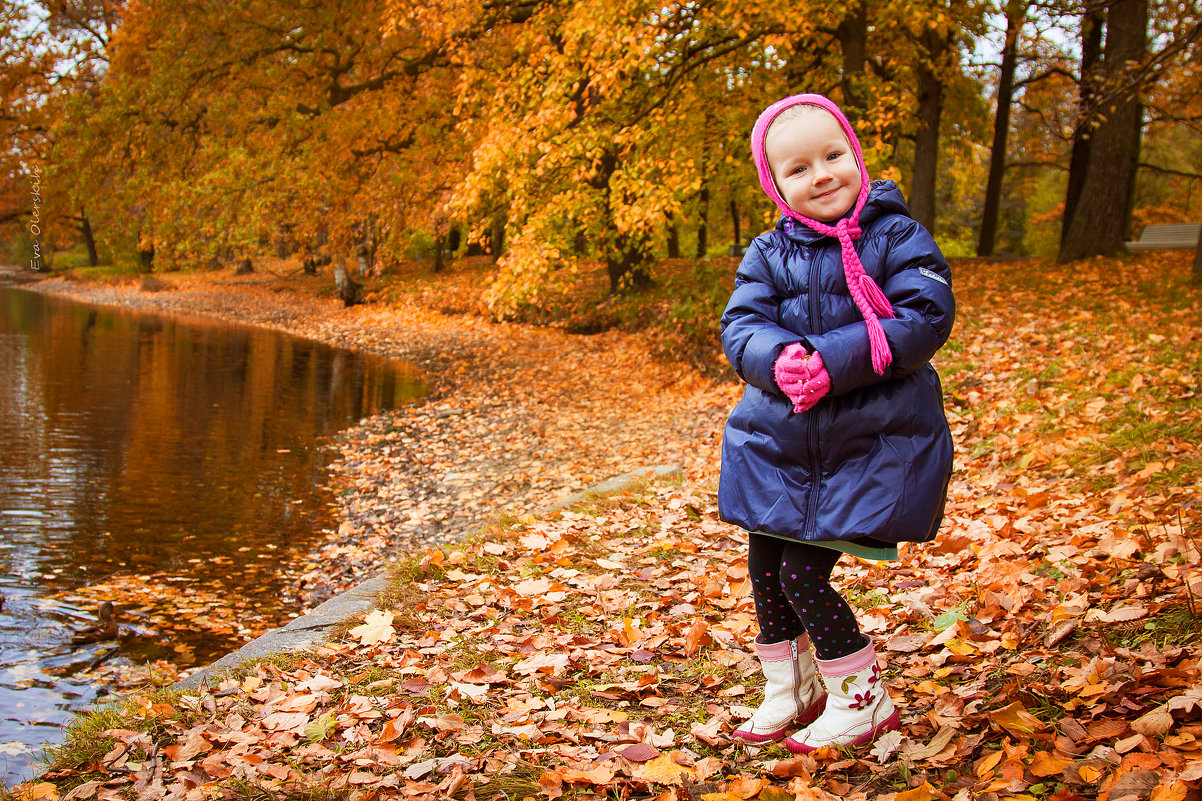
[813, 165]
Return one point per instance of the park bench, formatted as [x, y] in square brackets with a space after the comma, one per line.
[1167, 236]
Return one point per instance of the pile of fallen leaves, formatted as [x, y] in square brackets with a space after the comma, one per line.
[1045, 646]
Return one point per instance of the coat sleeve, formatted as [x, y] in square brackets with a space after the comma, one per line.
[917, 282]
[752, 336]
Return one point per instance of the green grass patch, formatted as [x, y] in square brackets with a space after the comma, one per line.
[1172, 628]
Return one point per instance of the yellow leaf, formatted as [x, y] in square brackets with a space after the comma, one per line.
[1016, 719]
[746, 787]
[776, 794]
[377, 628]
[960, 647]
[35, 792]
[988, 764]
[1089, 774]
[1045, 764]
[923, 793]
[1176, 791]
[663, 770]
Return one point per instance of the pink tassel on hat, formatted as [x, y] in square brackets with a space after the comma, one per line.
[868, 297]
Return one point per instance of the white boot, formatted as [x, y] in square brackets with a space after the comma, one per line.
[858, 706]
[793, 695]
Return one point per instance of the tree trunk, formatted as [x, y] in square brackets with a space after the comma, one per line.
[1099, 223]
[926, 140]
[442, 251]
[363, 257]
[1092, 25]
[496, 238]
[244, 267]
[627, 258]
[1015, 10]
[703, 214]
[314, 259]
[347, 288]
[735, 222]
[628, 266]
[852, 34]
[89, 241]
[674, 239]
[145, 255]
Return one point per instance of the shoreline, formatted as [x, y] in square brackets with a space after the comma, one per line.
[499, 432]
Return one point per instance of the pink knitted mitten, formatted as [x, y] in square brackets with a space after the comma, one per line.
[790, 366]
[813, 389]
[801, 376]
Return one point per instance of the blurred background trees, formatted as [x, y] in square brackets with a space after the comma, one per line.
[561, 136]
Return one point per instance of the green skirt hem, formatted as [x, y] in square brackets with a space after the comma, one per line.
[869, 552]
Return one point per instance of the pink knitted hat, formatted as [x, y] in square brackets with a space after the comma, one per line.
[868, 297]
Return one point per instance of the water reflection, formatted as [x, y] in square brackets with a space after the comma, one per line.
[171, 466]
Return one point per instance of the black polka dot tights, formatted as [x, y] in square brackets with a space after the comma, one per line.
[790, 582]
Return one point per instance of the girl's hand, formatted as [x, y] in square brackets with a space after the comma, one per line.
[801, 376]
[812, 390]
[791, 366]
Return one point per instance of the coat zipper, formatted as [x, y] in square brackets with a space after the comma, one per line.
[812, 422]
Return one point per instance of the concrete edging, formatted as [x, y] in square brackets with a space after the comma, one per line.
[314, 628]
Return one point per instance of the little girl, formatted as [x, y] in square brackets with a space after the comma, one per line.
[839, 444]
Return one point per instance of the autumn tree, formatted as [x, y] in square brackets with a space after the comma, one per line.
[934, 32]
[1034, 72]
[578, 125]
[1015, 13]
[219, 126]
[1097, 221]
[1169, 183]
[24, 81]
[1097, 215]
[565, 135]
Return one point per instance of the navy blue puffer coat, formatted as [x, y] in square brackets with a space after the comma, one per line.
[871, 461]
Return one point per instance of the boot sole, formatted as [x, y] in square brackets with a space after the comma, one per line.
[804, 719]
[891, 723]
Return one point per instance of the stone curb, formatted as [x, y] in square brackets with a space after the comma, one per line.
[314, 628]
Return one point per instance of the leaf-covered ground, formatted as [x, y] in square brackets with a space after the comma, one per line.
[1045, 646]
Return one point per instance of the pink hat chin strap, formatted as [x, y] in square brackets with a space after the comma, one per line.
[868, 297]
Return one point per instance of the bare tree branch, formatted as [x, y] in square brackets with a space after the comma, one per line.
[1169, 170]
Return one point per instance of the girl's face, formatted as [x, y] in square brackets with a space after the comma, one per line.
[813, 165]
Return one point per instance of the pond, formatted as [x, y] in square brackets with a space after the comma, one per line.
[171, 467]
